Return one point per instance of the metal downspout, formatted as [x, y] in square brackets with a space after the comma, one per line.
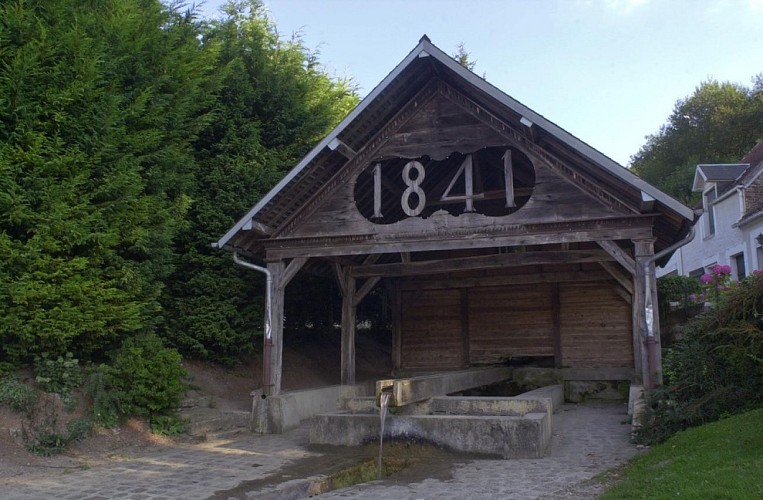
[651, 340]
[267, 343]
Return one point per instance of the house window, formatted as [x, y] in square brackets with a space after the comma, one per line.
[738, 261]
[710, 211]
[697, 273]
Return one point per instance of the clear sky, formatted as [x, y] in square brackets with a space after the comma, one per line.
[607, 71]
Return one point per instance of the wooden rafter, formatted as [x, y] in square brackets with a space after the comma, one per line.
[495, 261]
[625, 281]
[364, 290]
[624, 294]
[619, 254]
[292, 269]
[342, 148]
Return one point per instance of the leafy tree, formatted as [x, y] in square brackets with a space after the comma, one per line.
[99, 104]
[719, 123]
[462, 57]
[275, 103]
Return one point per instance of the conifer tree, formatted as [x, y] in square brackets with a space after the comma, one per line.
[275, 103]
[99, 105]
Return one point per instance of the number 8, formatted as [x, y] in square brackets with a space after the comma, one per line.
[414, 186]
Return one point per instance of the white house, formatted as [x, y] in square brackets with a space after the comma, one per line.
[730, 230]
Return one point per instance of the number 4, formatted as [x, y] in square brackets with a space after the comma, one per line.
[467, 169]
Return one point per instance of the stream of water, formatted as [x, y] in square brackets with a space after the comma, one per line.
[383, 404]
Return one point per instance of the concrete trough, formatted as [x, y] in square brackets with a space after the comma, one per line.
[510, 427]
[284, 412]
[405, 391]
[527, 436]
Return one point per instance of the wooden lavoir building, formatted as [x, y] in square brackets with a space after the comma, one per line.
[497, 234]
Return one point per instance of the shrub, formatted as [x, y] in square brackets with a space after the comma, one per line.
[679, 289]
[104, 406]
[78, 428]
[147, 378]
[60, 375]
[717, 367]
[18, 396]
[168, 425]
[44, 434]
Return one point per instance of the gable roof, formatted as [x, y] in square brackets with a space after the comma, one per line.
[405, 84]
[722, 174]
[755, 155]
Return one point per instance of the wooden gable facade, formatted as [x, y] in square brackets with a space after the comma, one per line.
[496, 234]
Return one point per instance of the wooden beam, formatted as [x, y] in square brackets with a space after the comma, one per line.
[397, 335]
[276, 328]
[347, 285]
[523, 279]
[465, 325]
[646, 292]
[619, 254]
[259, 227]
[556, 324]
[647, 202]
[371, 259]
[369, 285]
[340, 147]
[625, 281]
[495, 261]
[292, 269]
[531, 131]
[516, 235]
[624, 294]
[341, 279]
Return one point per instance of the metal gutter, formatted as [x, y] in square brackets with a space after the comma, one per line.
[651, 341]
[267, 342]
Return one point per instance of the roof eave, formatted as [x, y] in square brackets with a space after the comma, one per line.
[362, 105]
[425, 47]
[559, 133]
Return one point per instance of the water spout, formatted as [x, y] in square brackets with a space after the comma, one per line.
[384, 397]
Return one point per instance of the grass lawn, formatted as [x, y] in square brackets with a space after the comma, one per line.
[718, 460]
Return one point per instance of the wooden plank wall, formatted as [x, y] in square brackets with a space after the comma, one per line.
[508, 322]
[432, 336]
[453, 328]
[595, 327]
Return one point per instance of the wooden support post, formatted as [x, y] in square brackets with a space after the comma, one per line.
[639, 325]
[347, 285]
[556, 315]
[397, 332]
[465, 325]
[645, 309]
[281, 275]
[276, 328]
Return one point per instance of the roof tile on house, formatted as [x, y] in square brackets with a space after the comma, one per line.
[755, 155]
[722, 172]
